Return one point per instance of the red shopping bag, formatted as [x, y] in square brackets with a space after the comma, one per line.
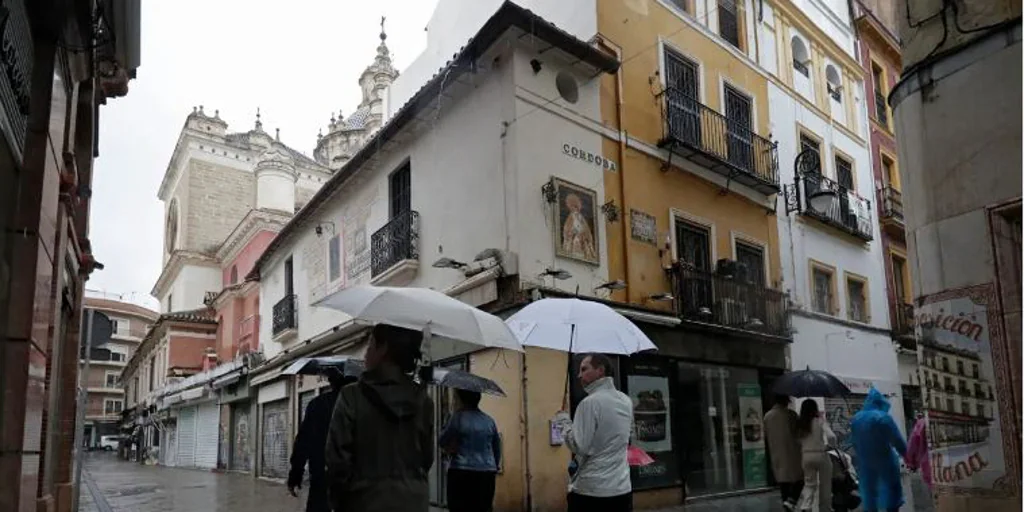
[637, 457]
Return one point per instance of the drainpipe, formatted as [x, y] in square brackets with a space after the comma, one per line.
[619, 101]
[528, 474]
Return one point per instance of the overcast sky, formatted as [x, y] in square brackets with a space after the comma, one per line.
[298, 61]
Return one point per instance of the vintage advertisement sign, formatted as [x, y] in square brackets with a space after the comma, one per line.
[648, 387]
[962, 360]
[752, 431]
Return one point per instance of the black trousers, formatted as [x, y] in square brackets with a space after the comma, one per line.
[317, 500]
[470, 491]
[582, 503]
[791, 490]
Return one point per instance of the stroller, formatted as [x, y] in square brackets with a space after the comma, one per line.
[845, 488]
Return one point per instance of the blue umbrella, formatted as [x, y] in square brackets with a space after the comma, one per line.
[458, 379]
[805, 383]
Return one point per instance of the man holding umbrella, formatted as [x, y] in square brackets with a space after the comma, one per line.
[599, 439]
[309, 444]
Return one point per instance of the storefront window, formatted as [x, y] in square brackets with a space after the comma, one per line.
[720, 429]
[648, 383]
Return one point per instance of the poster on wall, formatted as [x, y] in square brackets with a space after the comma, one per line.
[648, 385]
[752, 435]
[963, 356]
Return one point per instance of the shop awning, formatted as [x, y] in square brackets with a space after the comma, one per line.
[227, 380]
[192, 394]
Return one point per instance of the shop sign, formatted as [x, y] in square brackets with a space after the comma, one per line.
[971, 442]
[588, 157]
[648, 386]
[754, 461]
[643, 227]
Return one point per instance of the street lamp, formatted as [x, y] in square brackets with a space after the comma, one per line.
[557, 273]
[446, 262]
[821, 199]
[617, 284]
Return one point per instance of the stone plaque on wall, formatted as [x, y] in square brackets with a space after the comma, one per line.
[643, 226]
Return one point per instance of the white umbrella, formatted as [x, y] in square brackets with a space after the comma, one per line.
[578, 326]
[454, 327]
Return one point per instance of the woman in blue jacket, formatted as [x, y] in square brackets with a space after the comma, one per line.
[878, 445]
[471, 440]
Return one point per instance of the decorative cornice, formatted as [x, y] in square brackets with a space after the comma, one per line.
[250, 225]
[174, 264]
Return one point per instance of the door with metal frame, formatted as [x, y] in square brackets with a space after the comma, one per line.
[274, 452]
[241, 443]
[682, 78]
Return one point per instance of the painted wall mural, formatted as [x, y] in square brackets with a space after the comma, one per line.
[963, 366]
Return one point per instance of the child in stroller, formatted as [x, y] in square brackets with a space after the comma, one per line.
[845, 493]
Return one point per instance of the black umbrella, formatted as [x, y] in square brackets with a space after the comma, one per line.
[345, 365]
[805, 383]
[458, 379]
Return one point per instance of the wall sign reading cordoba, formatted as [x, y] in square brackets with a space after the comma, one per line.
[590, 158]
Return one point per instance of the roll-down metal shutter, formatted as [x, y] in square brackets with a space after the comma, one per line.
[207, 433]
[187, 437]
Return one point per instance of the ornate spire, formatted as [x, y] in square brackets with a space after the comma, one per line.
[277, 134]
[383, 34]
[259, 123]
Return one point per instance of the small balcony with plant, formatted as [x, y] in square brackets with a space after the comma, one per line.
[728, 298]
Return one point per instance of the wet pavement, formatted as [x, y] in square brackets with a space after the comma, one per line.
[113, 485]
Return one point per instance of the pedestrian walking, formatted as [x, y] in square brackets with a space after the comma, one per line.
[917, 451]
[598, 437]
[878, 444]
[471, 441]
[381, 443]
[815, 436]
[780, 425]
[309, 446]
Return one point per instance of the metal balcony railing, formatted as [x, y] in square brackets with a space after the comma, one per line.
[892, 204]
[726, 146]
[903, 321]
[397, 241]
[286, 314]
[845, 210]
[706, 297]
[247, 329]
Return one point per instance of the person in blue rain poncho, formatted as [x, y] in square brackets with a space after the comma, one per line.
[877, 442]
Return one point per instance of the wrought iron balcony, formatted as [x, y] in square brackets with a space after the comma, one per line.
[728, 301]
[903, 320]
[286, 314]
[825, 200]
[394, 243]
[892, 204]
[728, 147]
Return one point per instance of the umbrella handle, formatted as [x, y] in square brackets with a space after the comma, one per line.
[568, 368]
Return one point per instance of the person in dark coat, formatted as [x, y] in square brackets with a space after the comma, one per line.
[381, 445]
[309, 446]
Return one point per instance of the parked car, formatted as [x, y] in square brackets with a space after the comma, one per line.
[109, 443]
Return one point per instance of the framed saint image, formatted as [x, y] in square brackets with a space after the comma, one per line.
[575, 230]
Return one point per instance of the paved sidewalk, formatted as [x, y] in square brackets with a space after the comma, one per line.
[121, 486]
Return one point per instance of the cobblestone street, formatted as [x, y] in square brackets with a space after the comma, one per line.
[112, 485]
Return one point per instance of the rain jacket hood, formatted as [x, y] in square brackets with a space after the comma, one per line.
[387, 389]
[381, 444]
[878, 444]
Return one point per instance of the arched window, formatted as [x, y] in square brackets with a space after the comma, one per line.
[234, 274]
[801, 56]
[171, 228]
[834, 81]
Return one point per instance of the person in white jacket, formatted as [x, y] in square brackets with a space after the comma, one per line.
[598, 438]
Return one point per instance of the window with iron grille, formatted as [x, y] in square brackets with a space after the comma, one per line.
[729, 22]
[808, 142]
[400, 191]
[822, 300]
[752, 257]
[857, 300]
[844, 173]
[683, 5]
[693, 245]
